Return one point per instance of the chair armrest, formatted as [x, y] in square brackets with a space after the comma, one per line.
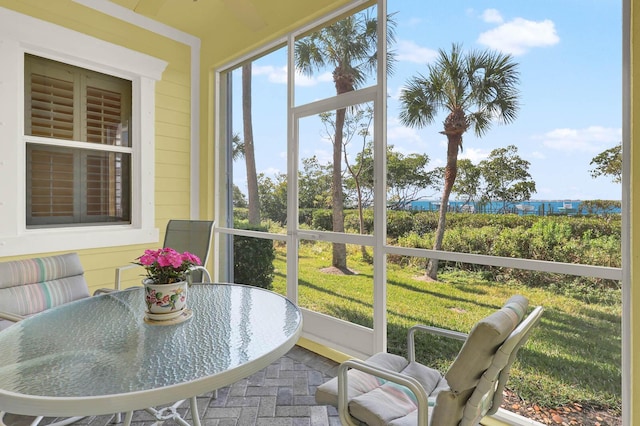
[412, 384]
[119, 273]
[11, 317]
[205, 274]
[411, 347]
[104, 290]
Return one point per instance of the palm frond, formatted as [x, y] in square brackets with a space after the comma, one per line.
[348, 45]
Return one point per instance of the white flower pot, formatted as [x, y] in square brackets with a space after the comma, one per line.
[165, 298]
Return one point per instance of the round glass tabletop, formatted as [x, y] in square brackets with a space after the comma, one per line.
[101, 348]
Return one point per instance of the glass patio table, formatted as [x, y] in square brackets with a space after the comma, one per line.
[99, 356]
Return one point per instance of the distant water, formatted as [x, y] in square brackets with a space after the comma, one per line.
[536, 207]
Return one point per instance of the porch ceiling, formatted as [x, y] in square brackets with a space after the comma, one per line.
[200, 17]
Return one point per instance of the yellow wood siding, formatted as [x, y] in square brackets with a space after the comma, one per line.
[173, 114]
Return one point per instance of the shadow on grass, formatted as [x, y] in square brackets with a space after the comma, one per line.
[304, 283]
[418, 288]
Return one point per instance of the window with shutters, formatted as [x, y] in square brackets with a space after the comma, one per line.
[78, 149]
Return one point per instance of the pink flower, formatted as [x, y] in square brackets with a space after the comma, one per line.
[149, 257]
[166, 265]
[191, 258]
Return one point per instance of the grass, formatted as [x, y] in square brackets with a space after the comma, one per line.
[574, 355]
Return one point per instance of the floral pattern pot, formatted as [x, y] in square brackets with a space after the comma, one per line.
[165, 298]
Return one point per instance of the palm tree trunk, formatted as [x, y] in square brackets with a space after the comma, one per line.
[450, 172]
[249, 150]
[339, 249]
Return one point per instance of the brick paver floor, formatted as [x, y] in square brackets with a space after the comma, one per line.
[280, 395]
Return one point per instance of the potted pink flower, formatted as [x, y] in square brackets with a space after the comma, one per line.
[166, 281]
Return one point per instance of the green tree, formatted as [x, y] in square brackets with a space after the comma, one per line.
[407, 175]
[608, 163]
[467, 185]
[475, 90]
[314, 185]
[239, 199]
[506, 177]
[349, 46]
[357, 123]
[273, 197]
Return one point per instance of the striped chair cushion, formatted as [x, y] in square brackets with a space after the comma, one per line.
[374, 401]
[33, 285]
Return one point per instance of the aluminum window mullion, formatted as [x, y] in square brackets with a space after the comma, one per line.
[380, 187]
[293, 148]
[511, 262]
[76, 144]
[345, 100]
[337, 237]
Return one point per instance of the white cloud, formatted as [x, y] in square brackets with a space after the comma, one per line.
[492, 16]
[539, 155]
[323, 156]
[274, 74]
[279, 75]
[415, 22]
[271, 171]
[304, 80]
[473, 154]
[400, 134]
[519, 35]
[409, 51]
[590, 139]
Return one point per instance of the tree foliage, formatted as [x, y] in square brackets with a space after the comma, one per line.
[467, 185]
[239, 199]
[273, 197]
[314, 184]
[608, 163]
[407, 175]
[506, 176]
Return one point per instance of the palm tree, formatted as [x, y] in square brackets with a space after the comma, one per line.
[248, 149]
[350, 47]
[476, 89]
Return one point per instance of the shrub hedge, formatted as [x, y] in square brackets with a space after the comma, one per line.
[253, 258]
[589, 240]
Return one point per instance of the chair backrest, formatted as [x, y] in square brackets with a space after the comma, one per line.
[480, 370]
[193, 236]
[488, 392]
[33, 285]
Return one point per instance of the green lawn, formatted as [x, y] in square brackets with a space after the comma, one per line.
[573, 356]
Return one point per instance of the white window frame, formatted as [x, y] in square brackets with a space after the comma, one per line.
[20, 34]
[352, 339]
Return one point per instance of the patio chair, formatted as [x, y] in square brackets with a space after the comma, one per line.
[388, 389]
[193, 236]
[31, 286]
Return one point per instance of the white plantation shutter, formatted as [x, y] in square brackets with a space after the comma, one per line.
[51, 107]
[76, 185]
[107, 184]
[104, 116]
[52, 182]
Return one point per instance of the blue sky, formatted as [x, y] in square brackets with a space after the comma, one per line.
[569, 56]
